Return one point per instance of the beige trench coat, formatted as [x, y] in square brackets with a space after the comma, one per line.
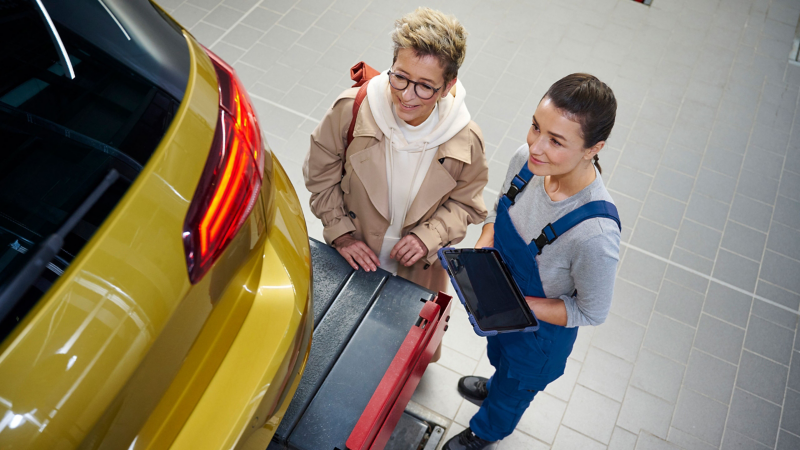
[450, 197]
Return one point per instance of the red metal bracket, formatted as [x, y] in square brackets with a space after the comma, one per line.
[387, 404]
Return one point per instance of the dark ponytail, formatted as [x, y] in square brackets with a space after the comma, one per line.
[588, 101]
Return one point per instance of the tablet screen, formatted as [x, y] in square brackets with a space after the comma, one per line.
[490, 294]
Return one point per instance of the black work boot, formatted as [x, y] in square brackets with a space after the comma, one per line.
[473, 389]
[466, 440]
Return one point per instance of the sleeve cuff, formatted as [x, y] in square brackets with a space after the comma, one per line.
[334, 230]
[431, 239]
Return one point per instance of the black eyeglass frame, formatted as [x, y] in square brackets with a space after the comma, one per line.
[415, 83]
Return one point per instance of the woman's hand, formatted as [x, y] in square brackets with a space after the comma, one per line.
[356, 252]
[409, 250]
[487, 236]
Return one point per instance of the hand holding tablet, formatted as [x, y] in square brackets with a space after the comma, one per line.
[488, 291]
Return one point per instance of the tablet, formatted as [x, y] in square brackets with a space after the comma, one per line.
[487, 289]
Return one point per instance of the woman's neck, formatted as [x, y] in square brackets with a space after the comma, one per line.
[562, 187]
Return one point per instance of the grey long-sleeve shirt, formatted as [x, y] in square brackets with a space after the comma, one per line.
[584, 258]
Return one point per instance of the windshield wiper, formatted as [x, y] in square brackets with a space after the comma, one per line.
[48, 249]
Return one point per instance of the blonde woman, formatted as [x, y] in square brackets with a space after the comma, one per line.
[415, 170]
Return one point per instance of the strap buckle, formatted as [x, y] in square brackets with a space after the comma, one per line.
[544, 239]
[513, 190]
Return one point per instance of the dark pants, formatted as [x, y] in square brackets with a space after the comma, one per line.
[503, 408]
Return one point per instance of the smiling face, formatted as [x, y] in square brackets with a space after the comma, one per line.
[425, 70]
[555, 143]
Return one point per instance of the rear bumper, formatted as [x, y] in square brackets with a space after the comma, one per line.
[240, 406]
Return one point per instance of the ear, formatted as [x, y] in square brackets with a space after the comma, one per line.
[593, 150]
[450, 87]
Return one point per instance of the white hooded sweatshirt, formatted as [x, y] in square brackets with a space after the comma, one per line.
[410, 151]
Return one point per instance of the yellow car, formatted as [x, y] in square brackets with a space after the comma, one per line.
[155, 274]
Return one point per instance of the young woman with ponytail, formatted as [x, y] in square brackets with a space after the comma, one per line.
[558, 230]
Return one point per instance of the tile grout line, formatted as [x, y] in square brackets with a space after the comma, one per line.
[710, 278]
[230, 28]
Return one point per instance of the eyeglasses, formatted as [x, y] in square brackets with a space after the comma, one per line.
[422, 90]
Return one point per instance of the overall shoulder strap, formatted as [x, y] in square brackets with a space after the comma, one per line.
[599, 208]
[519, 182]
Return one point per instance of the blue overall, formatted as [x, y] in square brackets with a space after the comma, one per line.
[526, 363]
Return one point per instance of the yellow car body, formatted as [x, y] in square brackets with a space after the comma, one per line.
[123, 352]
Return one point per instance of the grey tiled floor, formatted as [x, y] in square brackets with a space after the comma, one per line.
[701, 350]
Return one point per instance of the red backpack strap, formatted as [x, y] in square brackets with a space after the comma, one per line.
[361, 73]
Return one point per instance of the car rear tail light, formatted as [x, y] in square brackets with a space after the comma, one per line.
[231, 180]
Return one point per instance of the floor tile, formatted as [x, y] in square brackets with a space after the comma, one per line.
[568, 439]
[787, 212]
[775, 314]
[757, 186]
[770, 340]
[727, 304]
[437, 391]
[723, 161]
[736, 441]
[707, 211]
[736, 270]
[715, 185]
[687, 279]
[744, 241]
[543, 417]
[679, 303]
[619, 337]
[521, 441]
[605, 373]
[787, 441]
[781, 271]
[658, 375]
[457, 362]
[654, 238]
[700, 416]
[762, 377]
[719, 339]
[754, 417]
[785, 240]
[563, 386]
[261, 18]
[687, 441]
[699, 238]
[645, 412]
[669, 338]
[461, 336]
[631, 182]
[663, 210]
[710, 376]
[649, 442]
[622, 440]
[791, 412]
[672, 184]
[691, 261]
[750, 212]
[643, 270]
[582, 414]
[632, 302]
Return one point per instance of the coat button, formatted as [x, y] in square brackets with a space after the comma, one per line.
[352, 215]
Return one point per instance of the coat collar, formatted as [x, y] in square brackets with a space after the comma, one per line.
[370, 166]
[458, 147]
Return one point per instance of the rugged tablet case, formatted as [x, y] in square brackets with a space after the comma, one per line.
[472, 320]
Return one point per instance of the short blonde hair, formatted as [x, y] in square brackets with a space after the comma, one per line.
[431, 32]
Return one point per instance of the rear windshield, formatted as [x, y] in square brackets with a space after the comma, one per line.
[60, 137]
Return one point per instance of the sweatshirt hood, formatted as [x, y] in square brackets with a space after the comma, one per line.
[453, 115]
